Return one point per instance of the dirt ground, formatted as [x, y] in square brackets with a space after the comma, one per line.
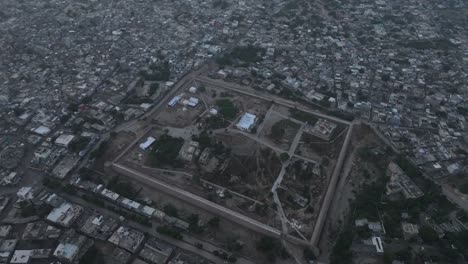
[239, 144]
[315, 148]
[179, 116]
[351, 178]
[308, 185]
[227, 229]
[114, 147]
[290, 129]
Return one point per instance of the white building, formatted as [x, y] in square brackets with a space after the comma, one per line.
[174, 101]
[65, 214]
[149, 141]
[64, 140]
[67, 252]
[193, 89]
[42, 130]
[246, 122]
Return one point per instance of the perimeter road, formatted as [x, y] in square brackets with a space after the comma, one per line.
[198, 201]
[277, 100]
[331, 190]
[205, 204]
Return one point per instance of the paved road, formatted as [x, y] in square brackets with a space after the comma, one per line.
[279, 179]
[331, 190]
[268, 97]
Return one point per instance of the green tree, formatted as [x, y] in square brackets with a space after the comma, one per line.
[284, 156]
[428, 235]
[171, 210]
[214, 222]
[227, 108]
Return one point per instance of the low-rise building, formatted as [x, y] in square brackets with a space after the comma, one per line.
[409, 230]
[247, 122]
[127, 238]
[401, 183]
[39, 231]
[72, 246]
[155, 251]
[147, 144]
[25, 256]
[97, 226]
[64, 140]
[65, 215]
[322, 128]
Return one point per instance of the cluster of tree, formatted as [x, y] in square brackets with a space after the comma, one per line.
[137, 100]
[272, 248]
[225, 256]
[171, 210]
[29, 209]
[284, 156]
[300, 172]
[411, 170]
[214, 222]
[341, 114]
[227, 108]
[216, 122]
[286, 92]
[245, 54]
[92, 256]
[303, 116]
[166, 151]
[122, 187]
[169, 231]
[117, 114]
[464, 188]
[341, 252]
[278, 129]
[88, 175]
[153, 88]
[194, 224]
[79, 144]
[204, 139]
[157, 72]
[56, 185]
[100, 150]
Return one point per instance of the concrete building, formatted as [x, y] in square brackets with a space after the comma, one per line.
[65, 214]
[147, 144]
[127, 238]
[409, 230]
[25, 256]
[65, 166]
[173, 102]
[156, 251]
[97, 226]
[40, 231]
[64, 140]
[247, 122]
[66, 252]
[322, 128]
[401, 183]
